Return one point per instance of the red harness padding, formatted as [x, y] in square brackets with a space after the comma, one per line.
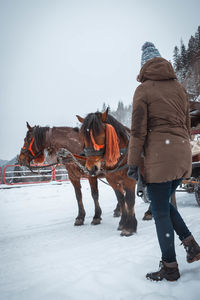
[112, 153]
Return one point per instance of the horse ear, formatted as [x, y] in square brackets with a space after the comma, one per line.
[104, 116]
[80, 118]
[28, 126]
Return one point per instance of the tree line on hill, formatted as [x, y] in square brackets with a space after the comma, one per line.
[182, 59]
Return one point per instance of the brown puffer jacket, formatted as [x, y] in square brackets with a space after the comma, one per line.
[160, 124]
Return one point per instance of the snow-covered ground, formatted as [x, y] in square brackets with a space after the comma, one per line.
[43, 256]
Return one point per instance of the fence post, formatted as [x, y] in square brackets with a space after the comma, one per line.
[1, 175]
[19, 179]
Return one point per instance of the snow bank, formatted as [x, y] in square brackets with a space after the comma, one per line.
[44, 257]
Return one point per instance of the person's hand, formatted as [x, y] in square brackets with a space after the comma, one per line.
[133, 172]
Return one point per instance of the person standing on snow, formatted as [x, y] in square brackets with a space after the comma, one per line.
[160, 138]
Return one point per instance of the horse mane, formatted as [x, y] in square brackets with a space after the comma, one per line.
[40, 134]
[121, 130]
[76, 129]
[93, 121]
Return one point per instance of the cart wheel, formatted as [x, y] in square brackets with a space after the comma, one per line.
[197, 194]
[145, 196]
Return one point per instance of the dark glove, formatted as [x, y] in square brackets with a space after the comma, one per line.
[133, 172]
[141, 185]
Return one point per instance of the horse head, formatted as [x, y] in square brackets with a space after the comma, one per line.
[31, 150]
[101, 141]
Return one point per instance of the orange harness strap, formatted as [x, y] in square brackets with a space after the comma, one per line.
[96, 146]
[30, 147]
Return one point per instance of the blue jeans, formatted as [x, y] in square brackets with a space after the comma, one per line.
[167, 218]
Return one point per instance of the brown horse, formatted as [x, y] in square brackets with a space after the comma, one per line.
[39, 139]
[106, 145]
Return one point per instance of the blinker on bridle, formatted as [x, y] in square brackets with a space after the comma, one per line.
[96, 150]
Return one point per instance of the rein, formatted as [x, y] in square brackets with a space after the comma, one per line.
[75, 157]
[91, 152]
[119, 165]
[62, 156]
[31, 168]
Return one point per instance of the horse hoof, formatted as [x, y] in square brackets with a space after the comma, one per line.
[96, 221]
[147, 217]
[116, 214]
[126, 233]
[79, 222]
[120, 227]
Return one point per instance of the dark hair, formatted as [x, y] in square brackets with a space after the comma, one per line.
[93, 121]
[39, 134]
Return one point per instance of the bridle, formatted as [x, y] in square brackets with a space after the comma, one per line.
[99, 150]
[29, 149]
[96, 149]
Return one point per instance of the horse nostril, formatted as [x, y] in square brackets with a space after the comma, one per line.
[93, 170]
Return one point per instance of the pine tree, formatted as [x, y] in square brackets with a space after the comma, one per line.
[176, 59]
[197, 40]
[104, 107]
[120, 111]
[183, 61]
[191, 49]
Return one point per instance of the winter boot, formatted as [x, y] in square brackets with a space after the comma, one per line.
[168, 271]
[192, 249]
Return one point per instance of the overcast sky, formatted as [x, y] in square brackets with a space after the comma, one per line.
[59, 58]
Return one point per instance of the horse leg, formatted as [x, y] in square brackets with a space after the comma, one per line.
[95, 195]
[131, 221]
[148, 214]
[173, 200]
[117, 210]
[81, 211]
[118, 189]
[121, 204]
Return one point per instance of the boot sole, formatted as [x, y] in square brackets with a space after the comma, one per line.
[172, 280]
[196, 258]
[164, 278]
[156, 280]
